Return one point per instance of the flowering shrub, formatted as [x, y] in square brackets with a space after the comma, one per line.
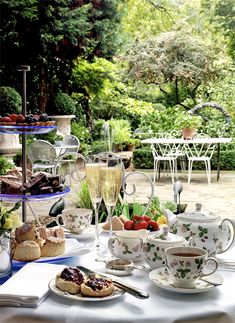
[186, 120]
[9, 220]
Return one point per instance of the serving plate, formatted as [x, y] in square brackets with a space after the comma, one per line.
[72, 248]
[79, 297]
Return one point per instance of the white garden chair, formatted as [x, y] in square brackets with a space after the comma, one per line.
[199, 152]
[162, 153]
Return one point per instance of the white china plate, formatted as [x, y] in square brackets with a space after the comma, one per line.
[79, 297]
[107, 231]
[162, 279]
[72, 248]
[86, 234]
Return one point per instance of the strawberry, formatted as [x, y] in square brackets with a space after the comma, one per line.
[146, 218]
[129, 225]
[137, 218]
[20, 119]
[6, 119]
[153, 225]
[141, 225]
[13, 117]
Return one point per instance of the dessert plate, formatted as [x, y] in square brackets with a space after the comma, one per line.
[162, 279]
[72, 248]
[79, 297]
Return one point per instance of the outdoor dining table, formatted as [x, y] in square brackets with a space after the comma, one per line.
[180, 141]
[214, 306]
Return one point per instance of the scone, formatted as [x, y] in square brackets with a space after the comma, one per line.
[117, 224]
[27, 251]
[52, 247]
[26, 232]
[97, 287]
[70, 280]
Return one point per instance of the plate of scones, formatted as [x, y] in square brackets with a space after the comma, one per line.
[41, 244]
[72, 283]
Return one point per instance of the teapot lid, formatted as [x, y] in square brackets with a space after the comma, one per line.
[164, 236]
[199, 214]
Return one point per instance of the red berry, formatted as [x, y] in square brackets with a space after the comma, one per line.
[137, 218]
[20, 119]
[6, 119]
[129, 225]
[141, 225]
[153, 226]
[146, 218]
[13, 117]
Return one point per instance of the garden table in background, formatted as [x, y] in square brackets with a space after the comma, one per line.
[180, 141]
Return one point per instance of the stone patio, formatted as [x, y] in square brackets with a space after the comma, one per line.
[218, 197]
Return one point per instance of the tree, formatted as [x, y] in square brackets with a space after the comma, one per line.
[48, 35]
[175, 61]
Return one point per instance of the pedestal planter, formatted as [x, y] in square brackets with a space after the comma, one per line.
[63, 124]
[9, 144]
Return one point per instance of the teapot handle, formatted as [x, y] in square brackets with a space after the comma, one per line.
[230, 225]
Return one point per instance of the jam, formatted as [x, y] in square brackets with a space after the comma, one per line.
[98, 283]
[72, 274]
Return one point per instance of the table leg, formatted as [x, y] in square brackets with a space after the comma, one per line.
[218, 161]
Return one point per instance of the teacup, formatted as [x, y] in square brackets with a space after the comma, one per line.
[75, 219]
[128, 244]
[187, 264]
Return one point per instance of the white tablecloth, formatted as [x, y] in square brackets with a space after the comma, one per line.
[215, 306]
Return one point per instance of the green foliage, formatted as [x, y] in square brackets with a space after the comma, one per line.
[5, 165]
[143, 158]
[176, 58]
[162, 119]
[10, 100]
[82, 198]
[120, 131]
[83, 134]
[63, 104]
[186, 120]
[227, 160]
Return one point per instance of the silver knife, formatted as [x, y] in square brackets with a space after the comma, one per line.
[139, 293]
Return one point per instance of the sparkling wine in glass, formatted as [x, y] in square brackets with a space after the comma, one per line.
[94, 187]
[111, 181]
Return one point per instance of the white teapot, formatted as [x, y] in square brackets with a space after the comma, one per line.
[203, 229]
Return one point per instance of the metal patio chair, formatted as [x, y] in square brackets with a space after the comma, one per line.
[42, 155]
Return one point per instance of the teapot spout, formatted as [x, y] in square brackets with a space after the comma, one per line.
[171, 217]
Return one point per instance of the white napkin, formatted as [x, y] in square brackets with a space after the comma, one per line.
[29, 286]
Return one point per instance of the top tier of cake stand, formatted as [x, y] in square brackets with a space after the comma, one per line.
[28, 130]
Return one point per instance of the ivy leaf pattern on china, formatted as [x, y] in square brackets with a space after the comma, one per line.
[183, 272]
[156, 257]
[199, 263]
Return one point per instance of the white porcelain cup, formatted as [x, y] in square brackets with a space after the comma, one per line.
[128, 244]
[187, 264]
[75, 219]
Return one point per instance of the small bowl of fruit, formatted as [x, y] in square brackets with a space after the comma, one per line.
[146, 222]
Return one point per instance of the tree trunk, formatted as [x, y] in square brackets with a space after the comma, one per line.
[43, 89]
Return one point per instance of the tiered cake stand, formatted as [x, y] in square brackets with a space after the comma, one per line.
[24, 131]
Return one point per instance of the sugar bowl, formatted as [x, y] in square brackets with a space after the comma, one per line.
[155, 246]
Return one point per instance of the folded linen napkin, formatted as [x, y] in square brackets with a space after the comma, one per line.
[29, 286]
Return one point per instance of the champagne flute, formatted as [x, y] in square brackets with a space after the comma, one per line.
[111, 181]
[93, 183]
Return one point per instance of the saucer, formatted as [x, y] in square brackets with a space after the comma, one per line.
[162, 279]
[85, 234]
